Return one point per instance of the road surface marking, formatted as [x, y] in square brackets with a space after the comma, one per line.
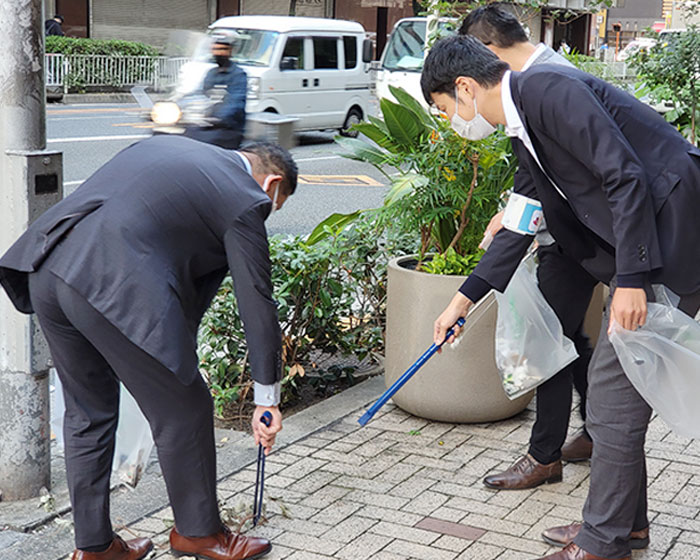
[96, 138]
[341, 180]
[138, 124]
[96, 110]
[316, 158]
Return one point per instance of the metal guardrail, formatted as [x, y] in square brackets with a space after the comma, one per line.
[613, 71]
[78, 71]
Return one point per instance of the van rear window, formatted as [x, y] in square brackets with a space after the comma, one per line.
[350, 47]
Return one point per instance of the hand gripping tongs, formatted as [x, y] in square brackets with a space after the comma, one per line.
[266, 419]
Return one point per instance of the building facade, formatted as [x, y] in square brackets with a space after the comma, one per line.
[635, 17]
[154, 21]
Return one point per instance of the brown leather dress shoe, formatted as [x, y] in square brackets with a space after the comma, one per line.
[577, 449]
[120, 549]
[525, 473]
[221, 546]
[563, 535]
[573, 552]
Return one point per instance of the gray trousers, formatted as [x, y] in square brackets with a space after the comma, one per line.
[617, 420]
[91, 357]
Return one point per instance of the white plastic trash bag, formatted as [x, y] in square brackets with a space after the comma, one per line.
[134, 440]
[530, 342]
[662, 360]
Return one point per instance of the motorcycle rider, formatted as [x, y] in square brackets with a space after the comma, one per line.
[225, 85]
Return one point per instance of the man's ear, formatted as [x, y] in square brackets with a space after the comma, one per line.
[274, 181]
[462, 82]
[465, 83]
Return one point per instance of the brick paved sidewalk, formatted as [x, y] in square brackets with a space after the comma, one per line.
[404, 488]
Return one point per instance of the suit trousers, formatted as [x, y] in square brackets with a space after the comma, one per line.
[617, 421]
[91, 357]
[568, 288]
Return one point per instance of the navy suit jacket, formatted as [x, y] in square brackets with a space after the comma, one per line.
[631, 183]
[147, 240]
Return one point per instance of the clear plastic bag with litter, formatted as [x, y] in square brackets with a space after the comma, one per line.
[662, 360]
[134, 441]
[530, 342]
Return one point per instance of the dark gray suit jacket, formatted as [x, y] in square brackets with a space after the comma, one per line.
[631, 182]
[146, 241]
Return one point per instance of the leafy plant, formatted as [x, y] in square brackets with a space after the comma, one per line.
[331, 294]
[120, 62]
[111, 47]
[670, 72]
[445, 189]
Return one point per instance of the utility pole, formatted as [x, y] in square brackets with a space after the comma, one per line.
[30, 182]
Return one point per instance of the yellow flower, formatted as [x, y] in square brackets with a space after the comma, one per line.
[449, 174]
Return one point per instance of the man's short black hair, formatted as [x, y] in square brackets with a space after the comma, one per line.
[275, 159]
[57, 16]
[459, 55]
[493, 25]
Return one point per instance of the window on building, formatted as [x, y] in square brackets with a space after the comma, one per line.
[350, 45]
[325, 52]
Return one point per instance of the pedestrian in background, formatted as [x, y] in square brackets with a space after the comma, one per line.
[119, 274]
[566, 286]
[620, 189]
[53, 26]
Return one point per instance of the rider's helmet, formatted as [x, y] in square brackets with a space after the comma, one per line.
[224, 37]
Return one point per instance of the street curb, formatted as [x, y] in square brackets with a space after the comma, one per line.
[78, 98]
[236, 451]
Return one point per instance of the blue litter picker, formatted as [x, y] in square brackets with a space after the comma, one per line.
[266, 419]
[401, 381]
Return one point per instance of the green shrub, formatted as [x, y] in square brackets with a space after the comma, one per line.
[112, 47]
[331, 294]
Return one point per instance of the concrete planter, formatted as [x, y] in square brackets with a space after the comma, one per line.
[461, 384]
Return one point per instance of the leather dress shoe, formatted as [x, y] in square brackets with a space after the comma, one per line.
[563, 535]
[573, 552]
[224, 545]
[525, 473]
[577, 449]
[120, 549]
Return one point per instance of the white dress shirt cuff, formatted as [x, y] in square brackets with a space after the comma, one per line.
[266, 395]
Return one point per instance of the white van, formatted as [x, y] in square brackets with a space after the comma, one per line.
[313, 69]
[402, 59]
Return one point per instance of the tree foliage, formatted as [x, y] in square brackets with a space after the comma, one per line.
[671, 71]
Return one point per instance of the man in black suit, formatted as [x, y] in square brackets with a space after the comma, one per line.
[620, 189]
[120, 273]
[565, 285]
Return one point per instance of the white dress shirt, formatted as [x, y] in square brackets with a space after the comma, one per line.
[515, 127]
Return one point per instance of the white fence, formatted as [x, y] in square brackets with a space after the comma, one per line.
[79, 71]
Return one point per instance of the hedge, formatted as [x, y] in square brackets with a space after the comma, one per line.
[74, 45]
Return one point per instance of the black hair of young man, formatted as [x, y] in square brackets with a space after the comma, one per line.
[274, 158]
[493, 25]
[459, 55]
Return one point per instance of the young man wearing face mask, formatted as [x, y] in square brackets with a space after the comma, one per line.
[566, 286]
[119, 274]
[226, 84]
[619, 188]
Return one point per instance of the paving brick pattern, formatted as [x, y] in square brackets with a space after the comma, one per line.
[404, 488]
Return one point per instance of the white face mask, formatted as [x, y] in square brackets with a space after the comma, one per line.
[476, 129]
[266, 188]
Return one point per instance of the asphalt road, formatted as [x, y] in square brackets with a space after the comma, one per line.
[89, 135]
